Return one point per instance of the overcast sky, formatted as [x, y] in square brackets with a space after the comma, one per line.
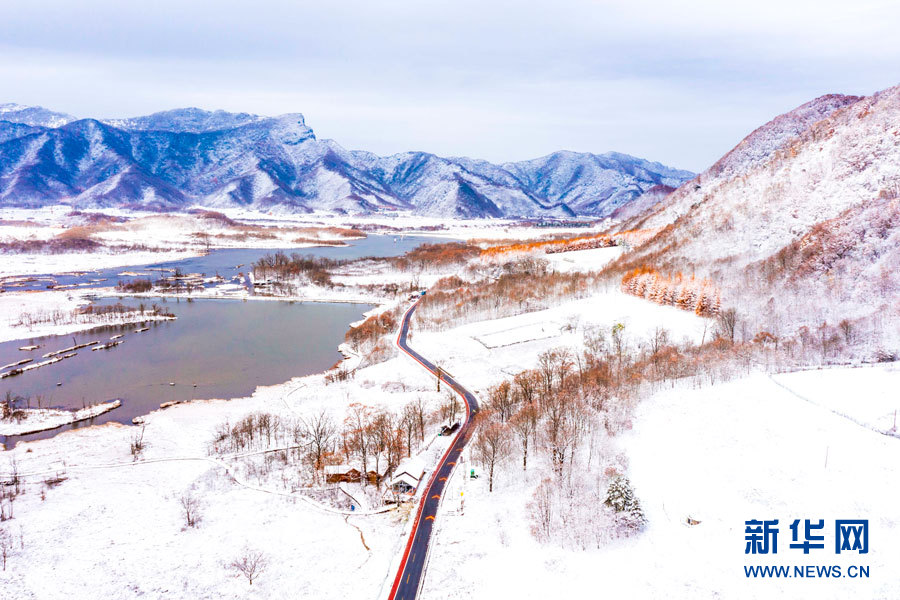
[495, 80]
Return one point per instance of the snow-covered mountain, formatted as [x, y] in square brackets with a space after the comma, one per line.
[191, 157]
[591, 183]
[193, 120]
[802, 218]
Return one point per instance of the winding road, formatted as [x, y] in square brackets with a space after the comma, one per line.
[411, 572]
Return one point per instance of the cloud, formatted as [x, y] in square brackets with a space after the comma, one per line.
[676, 82]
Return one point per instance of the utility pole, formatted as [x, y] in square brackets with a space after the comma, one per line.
[441, 372]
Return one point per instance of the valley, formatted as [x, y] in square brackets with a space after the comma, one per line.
[332, 374]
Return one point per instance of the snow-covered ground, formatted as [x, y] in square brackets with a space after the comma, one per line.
[96, 510]
[722, 455]
[124, 519]
[748, 449]
[868, 395]
[485, 352]
[141, 239]
[409, 224]
[583, 260]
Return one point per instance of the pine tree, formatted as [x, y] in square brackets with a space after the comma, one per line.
[621, 498]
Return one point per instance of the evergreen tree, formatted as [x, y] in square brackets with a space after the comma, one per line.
[621, 498]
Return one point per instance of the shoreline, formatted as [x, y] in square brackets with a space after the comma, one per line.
[53, 418]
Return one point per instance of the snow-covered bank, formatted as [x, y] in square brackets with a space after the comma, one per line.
[28, 315]
[32, 420]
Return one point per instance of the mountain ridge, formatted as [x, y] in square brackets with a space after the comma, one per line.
[192, 157]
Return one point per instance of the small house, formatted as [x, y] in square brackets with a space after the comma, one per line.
[341, 474]
[407, 477]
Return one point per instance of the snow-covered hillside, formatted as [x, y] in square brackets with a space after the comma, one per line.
[192, 157]
[803, 214]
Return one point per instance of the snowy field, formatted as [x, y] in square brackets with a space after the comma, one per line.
[868, 395]
[583, 260]
[480, 354]
[721, 455]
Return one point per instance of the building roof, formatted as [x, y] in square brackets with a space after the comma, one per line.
[339, 469]
[413, 467]
[405, 478]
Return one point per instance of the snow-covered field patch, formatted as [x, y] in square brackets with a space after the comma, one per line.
[868, 395]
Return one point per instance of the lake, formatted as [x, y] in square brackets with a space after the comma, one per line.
[226, 262]
[215, 349]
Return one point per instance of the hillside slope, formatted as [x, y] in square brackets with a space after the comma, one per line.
[795, 229]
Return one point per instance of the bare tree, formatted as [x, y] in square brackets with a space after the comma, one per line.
[391, 435]
[380, 438]
[524, 425]
[491, 446]
[658, 341]
[190, 506]
[6, 405]
[137, 444]
[419, 410]
[727, 321]
[6, 545]
[358, 428]
[450, 408]
[542, 510]
[250, 564]
[502, 401]
[409, 426]
[321, 431]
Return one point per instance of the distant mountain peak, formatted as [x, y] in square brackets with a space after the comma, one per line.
[186, 120]
[35, 116]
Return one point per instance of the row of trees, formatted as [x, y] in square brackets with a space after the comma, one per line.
[516, 287]
[632, 237]
[436, 256]
[373, 337]
[374, 439]
[700, 296]
[92, 313]
[553, 421]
